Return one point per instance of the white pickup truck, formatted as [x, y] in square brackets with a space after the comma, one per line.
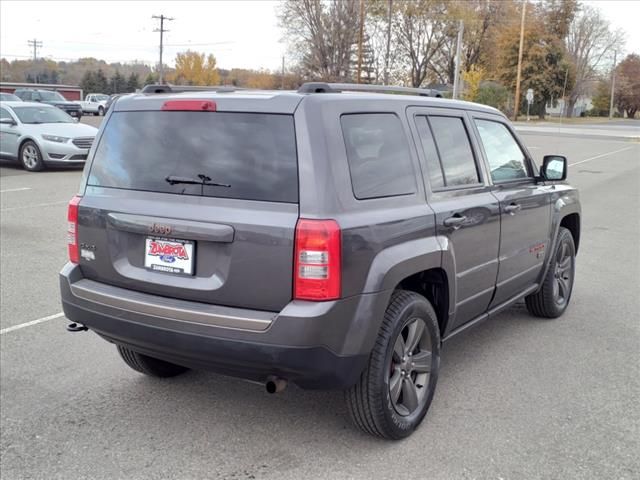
[94, 103]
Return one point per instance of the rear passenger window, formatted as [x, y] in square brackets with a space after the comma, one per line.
[434, 169]
[506, 160]
[456, 156]
[378, 155]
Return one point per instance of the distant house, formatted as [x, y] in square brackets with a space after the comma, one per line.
[582, 105]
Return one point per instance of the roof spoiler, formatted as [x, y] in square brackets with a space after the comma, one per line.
[322, 87]
[188, 88]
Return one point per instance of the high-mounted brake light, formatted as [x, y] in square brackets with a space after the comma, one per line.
[189, 105]
[72, 230]
[317, 274]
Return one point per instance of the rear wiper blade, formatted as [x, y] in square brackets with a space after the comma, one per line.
[201, 180]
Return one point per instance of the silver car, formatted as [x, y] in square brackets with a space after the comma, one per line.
[39, 135]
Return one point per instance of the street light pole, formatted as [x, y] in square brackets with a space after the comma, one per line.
[456, 74]
[517, 99]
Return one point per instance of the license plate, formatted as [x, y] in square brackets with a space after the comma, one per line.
[169, 255]
[73, 113]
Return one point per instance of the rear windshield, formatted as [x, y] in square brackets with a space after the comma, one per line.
[253, 153]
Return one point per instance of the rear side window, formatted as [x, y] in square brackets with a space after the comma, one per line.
[254, 153]
[456, 156]
[434, 169]
[378, 155]
[506, 160]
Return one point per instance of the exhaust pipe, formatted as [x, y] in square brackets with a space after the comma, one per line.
[275, 384]
[76, 327]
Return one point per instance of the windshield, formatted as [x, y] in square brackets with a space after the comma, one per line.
[9, 97]
[42, 115]
[48, 96]
[100, 98]
[250, 156]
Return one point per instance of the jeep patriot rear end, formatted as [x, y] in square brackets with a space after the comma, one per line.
[328, 238]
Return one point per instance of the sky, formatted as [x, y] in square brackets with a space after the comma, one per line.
[241, 33]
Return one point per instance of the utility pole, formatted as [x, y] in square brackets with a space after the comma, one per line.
[517, 102]
[386, 60]
[360, 35]
[35, 44]
[162, 18]
[456, 73]
[282, 79]
[613, 83]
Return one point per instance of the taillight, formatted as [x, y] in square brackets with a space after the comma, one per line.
[72, 230]
[318, 253]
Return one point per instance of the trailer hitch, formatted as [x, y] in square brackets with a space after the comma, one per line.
[74, 327]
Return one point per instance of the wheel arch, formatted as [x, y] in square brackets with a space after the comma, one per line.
[572, 223]
[433, 284]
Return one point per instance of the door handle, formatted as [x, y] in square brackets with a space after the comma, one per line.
[513, 208]
[456, 221]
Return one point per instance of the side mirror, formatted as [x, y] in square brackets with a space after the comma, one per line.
[554, 168]
[7, 121]
[37, 100]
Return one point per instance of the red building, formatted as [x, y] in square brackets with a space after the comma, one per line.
[70, 92]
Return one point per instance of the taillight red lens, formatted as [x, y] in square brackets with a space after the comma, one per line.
[317, 274]
[72, 230]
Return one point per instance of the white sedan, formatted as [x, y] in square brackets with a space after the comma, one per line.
[38, 135]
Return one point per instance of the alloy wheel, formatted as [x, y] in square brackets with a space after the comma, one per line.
[30, 156]
[563, 274]
[410, 367]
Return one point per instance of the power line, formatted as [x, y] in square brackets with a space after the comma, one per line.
[35, 44]
[162, 18]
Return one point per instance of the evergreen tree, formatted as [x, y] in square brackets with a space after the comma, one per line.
[101, 84]
[133, 83]
[118, 83]
[88, 82]
[151, 79]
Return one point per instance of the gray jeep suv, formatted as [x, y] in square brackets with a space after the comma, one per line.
[325, 237]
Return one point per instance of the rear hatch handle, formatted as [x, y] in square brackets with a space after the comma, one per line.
[171, 227]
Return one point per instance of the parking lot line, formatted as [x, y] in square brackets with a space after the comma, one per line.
[35, 205]
[32, 322]
[15, 189]
[600, 156]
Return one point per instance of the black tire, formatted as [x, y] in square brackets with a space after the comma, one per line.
[149, 365]
[553, 297]
[100, 111]
[30, 157]
[370, 401]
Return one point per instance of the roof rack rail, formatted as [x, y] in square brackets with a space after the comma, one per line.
[322, 87]
[188, 88]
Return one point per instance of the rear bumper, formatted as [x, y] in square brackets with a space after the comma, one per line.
[316, 345]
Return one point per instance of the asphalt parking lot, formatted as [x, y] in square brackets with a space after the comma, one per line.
[518, 397]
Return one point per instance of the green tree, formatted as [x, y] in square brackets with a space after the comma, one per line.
[101, 84]
[544, 64]
[601, 99]
[133, 83]
[151, 79]
[117, 84]
[88, 82]
[492, 94]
